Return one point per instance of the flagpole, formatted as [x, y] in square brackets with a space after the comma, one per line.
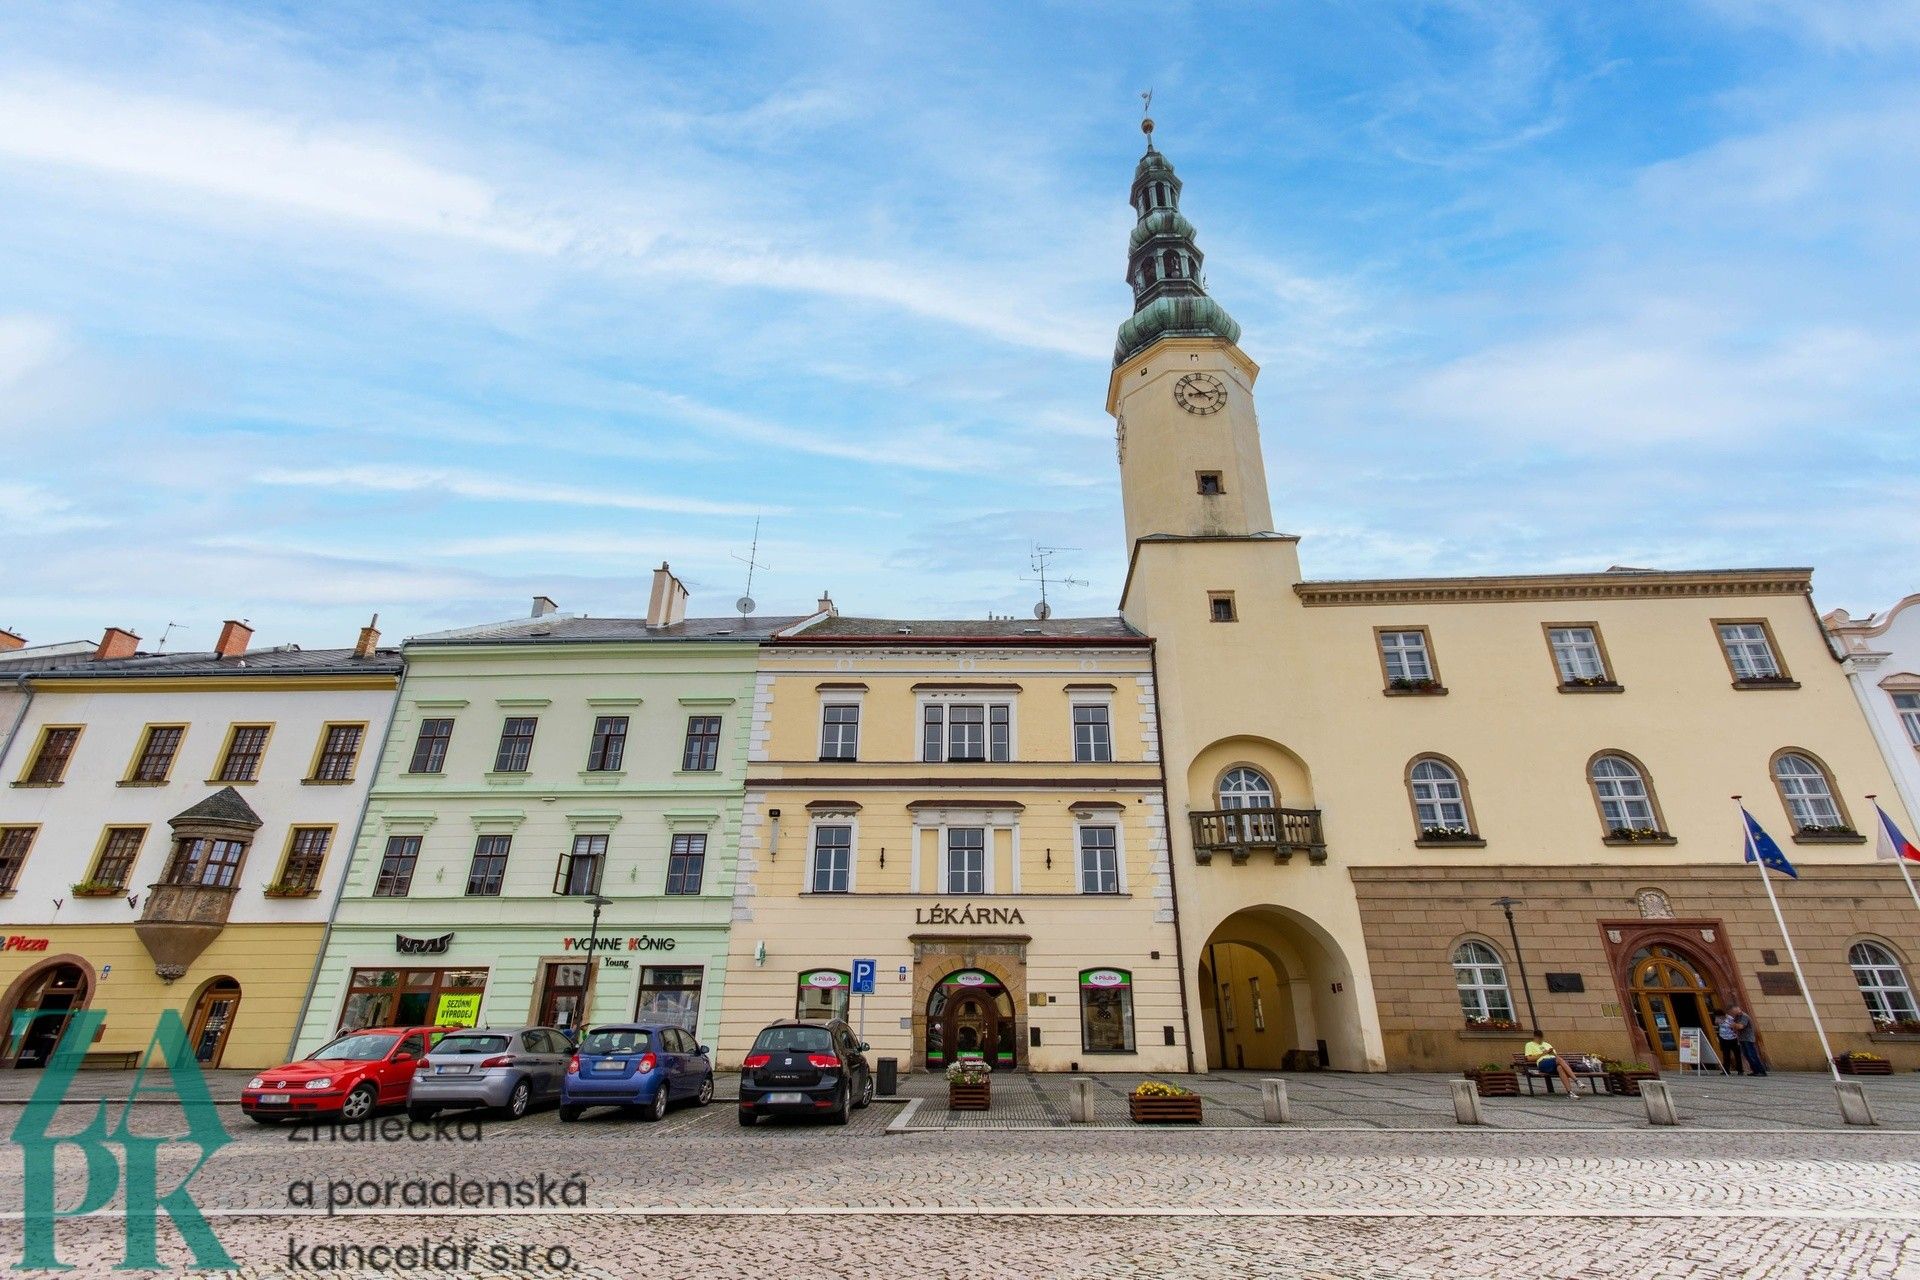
[1766, 882]
[1880, 833]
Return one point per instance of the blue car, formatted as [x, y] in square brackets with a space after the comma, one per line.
[639, 1066]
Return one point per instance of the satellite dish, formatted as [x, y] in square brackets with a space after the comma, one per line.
[1043, 611]
[744, 604]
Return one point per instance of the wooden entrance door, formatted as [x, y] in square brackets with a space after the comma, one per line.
[1669, 994]
[972, 1027]
[564, 1003]
[213, 1020]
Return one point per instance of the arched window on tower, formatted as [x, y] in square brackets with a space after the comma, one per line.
[1170, 265]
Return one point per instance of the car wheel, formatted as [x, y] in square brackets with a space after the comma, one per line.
[866, 1094]
[748, 1119]
[518, 1101]
[657, 1109]
[266, 1120]
[359, 1103]
[839, 1114]
[422, 1114]
[569, 1113]
[706, 1091]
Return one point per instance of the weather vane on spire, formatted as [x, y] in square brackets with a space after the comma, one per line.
[1146, 120]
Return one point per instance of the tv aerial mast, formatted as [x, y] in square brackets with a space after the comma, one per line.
[1040, 559]
[745, 603]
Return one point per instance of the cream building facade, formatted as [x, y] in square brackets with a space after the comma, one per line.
[976, 806]
[1358, 771]
[1883, 662]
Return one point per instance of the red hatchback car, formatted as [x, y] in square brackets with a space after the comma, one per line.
[347, 1079]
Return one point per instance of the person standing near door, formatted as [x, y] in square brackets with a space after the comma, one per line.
[1749, 1039]
[1729, 1045]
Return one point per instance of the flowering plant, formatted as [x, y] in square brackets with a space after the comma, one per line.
[95, 889]
[1861, 1055]
[1421, 685]
[1637, 833]
[1815, 829]
[1160, 1089]
[1897, 1026]
[1447, 833]
[969, 1071]
[1488, 1022]
[1589, 682]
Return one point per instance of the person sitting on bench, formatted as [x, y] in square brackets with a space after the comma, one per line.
[1548, 1063]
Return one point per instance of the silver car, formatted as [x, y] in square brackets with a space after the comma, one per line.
[509, 1069]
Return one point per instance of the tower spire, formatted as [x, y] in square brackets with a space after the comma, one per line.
[1163, 262]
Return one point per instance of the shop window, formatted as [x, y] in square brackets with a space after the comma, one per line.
[396, 867]
[413, 998]
[686, 864]
[823, 994]
[1106, 1011]
[670, 996]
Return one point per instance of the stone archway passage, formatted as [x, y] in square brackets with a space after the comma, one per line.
[1275, 993]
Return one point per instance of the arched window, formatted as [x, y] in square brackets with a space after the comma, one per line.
[1625, 799]
[1245, 788]
[1170, 265]
[1439, 799]
[1807, 793]
[1481, 978]
[1883, 984]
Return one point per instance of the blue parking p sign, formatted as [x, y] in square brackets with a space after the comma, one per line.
[863, 973]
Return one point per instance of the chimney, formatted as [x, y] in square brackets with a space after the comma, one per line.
[668, 603]
[369, 639]
[234, 635]
[542, 606]
[116, 643]
[8, 640]
[826, 605]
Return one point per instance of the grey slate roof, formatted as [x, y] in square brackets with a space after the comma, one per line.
[42, 657]
[572, 629]
[224, 805]
[258, 662]
[1013, 630]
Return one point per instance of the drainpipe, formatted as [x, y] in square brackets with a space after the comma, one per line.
[1173, 879]
[24, 681]
[333, 912]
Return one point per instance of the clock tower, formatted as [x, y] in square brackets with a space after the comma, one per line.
[1182, 390]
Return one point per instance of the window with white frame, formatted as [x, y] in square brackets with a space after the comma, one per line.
[1092, 732]
[1405, 655]
[832, 859]
[1099, 859]
[1576, 652]
[1439, 799]
[966, 731]
[1625, 802]
[1883, 984]
[1480, 976]
[1808, 797]
[1908, 705]
[966, 860]
[1749, 650]
[840, 731]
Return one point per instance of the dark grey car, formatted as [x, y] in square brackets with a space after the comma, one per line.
[510, 1069]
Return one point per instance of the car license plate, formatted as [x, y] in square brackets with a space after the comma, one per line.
[779, 1099]
[452, 1069]
[609, 1067]
[273, 1099]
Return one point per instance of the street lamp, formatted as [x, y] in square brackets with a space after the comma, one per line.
[593, 959]
[1507, 905]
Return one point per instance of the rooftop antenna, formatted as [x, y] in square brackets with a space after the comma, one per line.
[171, 628]
[1039, 557]
[745, 603]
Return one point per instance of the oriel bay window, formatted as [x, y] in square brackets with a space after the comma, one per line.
[1106, 1011]
[832, 859]
[489, 869]
[580, 867]
[201, 860]
[966, 731]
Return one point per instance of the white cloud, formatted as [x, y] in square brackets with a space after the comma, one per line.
[465, 484]
[31, 509]
[27, 345]
[1848, 25]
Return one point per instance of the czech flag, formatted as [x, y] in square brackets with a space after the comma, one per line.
[1892, 846]
[1762, 849]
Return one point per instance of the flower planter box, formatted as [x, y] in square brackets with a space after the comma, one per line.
[1627, 1083]
[969, 1097]
[1495, 1084]
[97, 891]
[286, 891]
[1852, 1066]
[1179, 1109]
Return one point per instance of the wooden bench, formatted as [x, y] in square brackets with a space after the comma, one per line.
[1583, 1067]
[116, 1061]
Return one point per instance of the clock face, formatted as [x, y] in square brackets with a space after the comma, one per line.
[1200, 393]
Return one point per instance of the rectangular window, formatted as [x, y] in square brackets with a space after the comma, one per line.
[1000, 732]
[14, 843]
[1406, 657]
[489, 869]
[1576, 654]
[1092, 735]
[686, 864]
[305, 856]
[338, 751]
[840, 731]
[670, 997]
[832, 859]
[609, 744]
[703, 745]
[967, 732]
[412, 997]
[1749, 651]
[516, 744]
[396, 867]
[245, 746]
[967, 860]
[1106, 1011]
[430, 748]
[117, 854]
[1099, 860]
[1209, 483]
[1220, 606]
[1908, 705]
[580, 868]
[49, 767]
[932, 720]
[157, 752]
[209, 863]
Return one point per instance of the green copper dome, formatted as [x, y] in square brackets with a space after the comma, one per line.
[1164, 267]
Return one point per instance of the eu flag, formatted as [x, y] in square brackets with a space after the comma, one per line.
[1762, 849]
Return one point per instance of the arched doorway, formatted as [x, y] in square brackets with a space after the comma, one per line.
[970, 1015]
[1671, 993]
[213, 1015]
[46, 1003]
[1276, 992]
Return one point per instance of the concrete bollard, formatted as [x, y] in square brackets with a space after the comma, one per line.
[1080, 1105]
[1273, 1101]
[1854, 1107]
[1466, 1102]
[1660, 1108]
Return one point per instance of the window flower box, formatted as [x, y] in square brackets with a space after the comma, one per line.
[1157, 1102]
[1623, 1078]
[969, 1086]
[1401, 684]
[1592, 684]
[1638, 835]
[1840, 833]
[1860, 1063]
[1495, 1081]
[1896, 1026]
[1492, 1024]
[97, 889]
[1449, 835]
[284, 890]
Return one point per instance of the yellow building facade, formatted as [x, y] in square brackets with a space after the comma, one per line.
[1359, 772]
[977, 808]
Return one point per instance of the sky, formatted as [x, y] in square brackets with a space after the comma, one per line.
[310, 311]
